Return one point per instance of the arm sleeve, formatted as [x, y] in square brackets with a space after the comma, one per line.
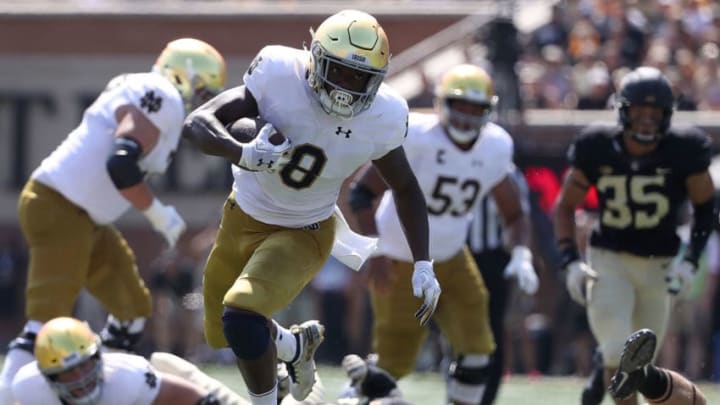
[580, 155]
[162, 105]
[256, 76]
[698, 152]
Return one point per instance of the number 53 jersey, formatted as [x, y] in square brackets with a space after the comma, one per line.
[453, 182]
[640, 198]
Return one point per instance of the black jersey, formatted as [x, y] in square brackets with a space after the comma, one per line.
[639, 198]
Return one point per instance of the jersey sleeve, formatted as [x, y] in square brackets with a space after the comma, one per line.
[580, 153]
[161, 103]
[502, 163]
[392, 127]
[697, 152]
[258, 76]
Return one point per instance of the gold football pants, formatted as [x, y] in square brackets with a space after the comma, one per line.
[69, 252]
[462, 314]
[259, 267]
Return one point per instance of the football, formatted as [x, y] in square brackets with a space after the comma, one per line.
[245, 129]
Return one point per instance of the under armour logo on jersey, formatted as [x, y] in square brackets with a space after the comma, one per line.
[439, 156]
[477, 163]
[268, 164]
[340, 131]
[150, 102]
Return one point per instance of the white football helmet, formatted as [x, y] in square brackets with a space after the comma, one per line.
[352, 39]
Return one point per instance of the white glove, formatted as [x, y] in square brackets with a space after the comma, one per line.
[425, 285]
[578, 273]
[356, 369]
[262, 155]
[680, 278]
[166, 220]
[521, 267]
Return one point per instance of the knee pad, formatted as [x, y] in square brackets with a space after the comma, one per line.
[467, 377]
[248, 334]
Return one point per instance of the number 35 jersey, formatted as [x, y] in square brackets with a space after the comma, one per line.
[325, 150]
[639, 198]
[453, 182]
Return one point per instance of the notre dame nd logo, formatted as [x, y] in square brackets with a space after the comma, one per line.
[151, 102]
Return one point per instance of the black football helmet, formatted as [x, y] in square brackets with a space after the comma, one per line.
[649, 87]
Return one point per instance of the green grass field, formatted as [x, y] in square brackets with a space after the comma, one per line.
[429, 389]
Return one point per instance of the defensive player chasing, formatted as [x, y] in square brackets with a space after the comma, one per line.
[68, 205]
[328, 113]
[643, 171]
[458, 157]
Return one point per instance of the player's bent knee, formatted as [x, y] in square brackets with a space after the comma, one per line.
[468, 375]
[247, 333]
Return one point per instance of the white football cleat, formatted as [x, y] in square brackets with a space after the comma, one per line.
[302, 369]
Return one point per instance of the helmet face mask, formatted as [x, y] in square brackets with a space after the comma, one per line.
[68, 355]
[465, 99]
[645, 105]
[350, 57]
[195, 68]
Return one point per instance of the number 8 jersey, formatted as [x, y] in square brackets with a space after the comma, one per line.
[453, 182]
[326, 149]
[640, 198]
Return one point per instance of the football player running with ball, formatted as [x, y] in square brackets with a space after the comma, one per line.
[68, 205]
[644, 170]
[458, 157]
[328, 113]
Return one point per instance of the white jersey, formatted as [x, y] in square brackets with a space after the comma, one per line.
[77, 168]
[326, 149]
[128, 380]
[453, 182]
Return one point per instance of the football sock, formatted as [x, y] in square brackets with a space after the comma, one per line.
[285, 342]
[656, 384]
[268, 398]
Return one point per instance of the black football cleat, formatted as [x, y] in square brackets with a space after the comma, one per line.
[638, 353]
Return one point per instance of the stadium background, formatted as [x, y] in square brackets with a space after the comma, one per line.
[55, 56]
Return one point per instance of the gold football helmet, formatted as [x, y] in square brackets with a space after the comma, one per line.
[469, 84]
[350, 39]
[65, 344]
[194, 67]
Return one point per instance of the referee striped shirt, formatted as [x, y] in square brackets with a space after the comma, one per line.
[486, 228]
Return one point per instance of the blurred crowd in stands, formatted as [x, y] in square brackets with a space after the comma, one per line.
[575, 60]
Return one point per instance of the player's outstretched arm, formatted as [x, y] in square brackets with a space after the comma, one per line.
[409, 200]
[365, 188]
[572, 194]
[517, 225]
[412, 212]
[135, 137]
